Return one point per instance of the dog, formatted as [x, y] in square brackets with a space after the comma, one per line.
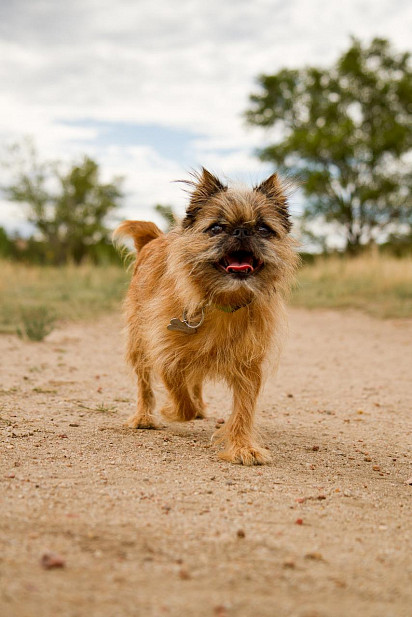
[206, 300]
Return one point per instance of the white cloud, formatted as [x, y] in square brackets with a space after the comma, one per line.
[189, 65]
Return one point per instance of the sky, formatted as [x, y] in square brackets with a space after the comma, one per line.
[154, 88]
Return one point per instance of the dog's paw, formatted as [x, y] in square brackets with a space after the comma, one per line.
[245, 455]
[141, 422]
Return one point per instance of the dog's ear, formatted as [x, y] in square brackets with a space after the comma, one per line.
[205, 185]
[273, 189]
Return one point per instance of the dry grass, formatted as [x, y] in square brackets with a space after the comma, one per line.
[70, 293]
[379, 285]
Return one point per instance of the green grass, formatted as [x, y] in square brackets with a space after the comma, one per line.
[378, 285]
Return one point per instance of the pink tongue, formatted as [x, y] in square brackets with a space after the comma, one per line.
[235, 266]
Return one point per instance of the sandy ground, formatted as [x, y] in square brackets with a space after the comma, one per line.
[152, 523]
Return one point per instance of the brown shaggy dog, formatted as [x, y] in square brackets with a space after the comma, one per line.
[223, 271]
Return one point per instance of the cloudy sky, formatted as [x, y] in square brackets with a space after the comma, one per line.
[153, 88]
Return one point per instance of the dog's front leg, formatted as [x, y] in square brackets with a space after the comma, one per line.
[143, 418]
[238, 434]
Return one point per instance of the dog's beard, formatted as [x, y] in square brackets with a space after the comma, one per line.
[236, 271]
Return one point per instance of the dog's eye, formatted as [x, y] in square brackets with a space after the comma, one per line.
[216, 229]
[265, 231]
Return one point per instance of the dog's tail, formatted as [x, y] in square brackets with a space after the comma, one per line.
[142, 232]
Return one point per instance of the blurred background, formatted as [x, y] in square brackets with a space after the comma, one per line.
[105, 104]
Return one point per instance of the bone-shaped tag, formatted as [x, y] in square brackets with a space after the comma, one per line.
[180, 326]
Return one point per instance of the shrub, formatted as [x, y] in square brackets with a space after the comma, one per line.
[37, 323]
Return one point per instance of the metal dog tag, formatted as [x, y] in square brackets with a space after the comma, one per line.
[184, 326]
[181, 326]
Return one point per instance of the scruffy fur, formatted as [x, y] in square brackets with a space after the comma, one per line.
[179, 271]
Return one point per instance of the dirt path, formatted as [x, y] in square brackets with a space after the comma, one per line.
[150, 523]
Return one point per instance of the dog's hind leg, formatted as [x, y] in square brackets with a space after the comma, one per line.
[143, 418]
[198, 400]
[181, 406]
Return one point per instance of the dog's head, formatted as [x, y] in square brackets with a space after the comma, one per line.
[235, 242]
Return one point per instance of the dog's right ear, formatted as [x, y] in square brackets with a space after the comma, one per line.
[205, 185]
[276, 192]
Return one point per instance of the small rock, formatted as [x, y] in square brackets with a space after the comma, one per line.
[289, 563]
[74, 424]
[315, 448]
[220, 611]
[184, 574]
[240, 533]
[220, 421]
[299, 521]
[338, 582]
[51, 560]
[376, 468]
[367, 459]
[409, 481]
[314, 556]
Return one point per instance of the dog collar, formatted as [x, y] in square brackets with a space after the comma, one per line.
[230, 308]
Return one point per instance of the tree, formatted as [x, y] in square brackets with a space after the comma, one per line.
[67, 207]
[166, 212]
[5, 243]
[346, 132]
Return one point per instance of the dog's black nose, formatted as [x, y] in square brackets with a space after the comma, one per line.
[241, 232]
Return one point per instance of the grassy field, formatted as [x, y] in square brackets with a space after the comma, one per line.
[381, 286]
[69, 293]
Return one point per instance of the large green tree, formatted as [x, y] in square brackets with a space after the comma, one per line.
[346, 132]
[68, 205]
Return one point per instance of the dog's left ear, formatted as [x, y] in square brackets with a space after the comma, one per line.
[205, 185]
[274, 191]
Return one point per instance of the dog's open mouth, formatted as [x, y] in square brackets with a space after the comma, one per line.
[242, 263]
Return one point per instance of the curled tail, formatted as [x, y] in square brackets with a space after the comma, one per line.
[142, 232]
